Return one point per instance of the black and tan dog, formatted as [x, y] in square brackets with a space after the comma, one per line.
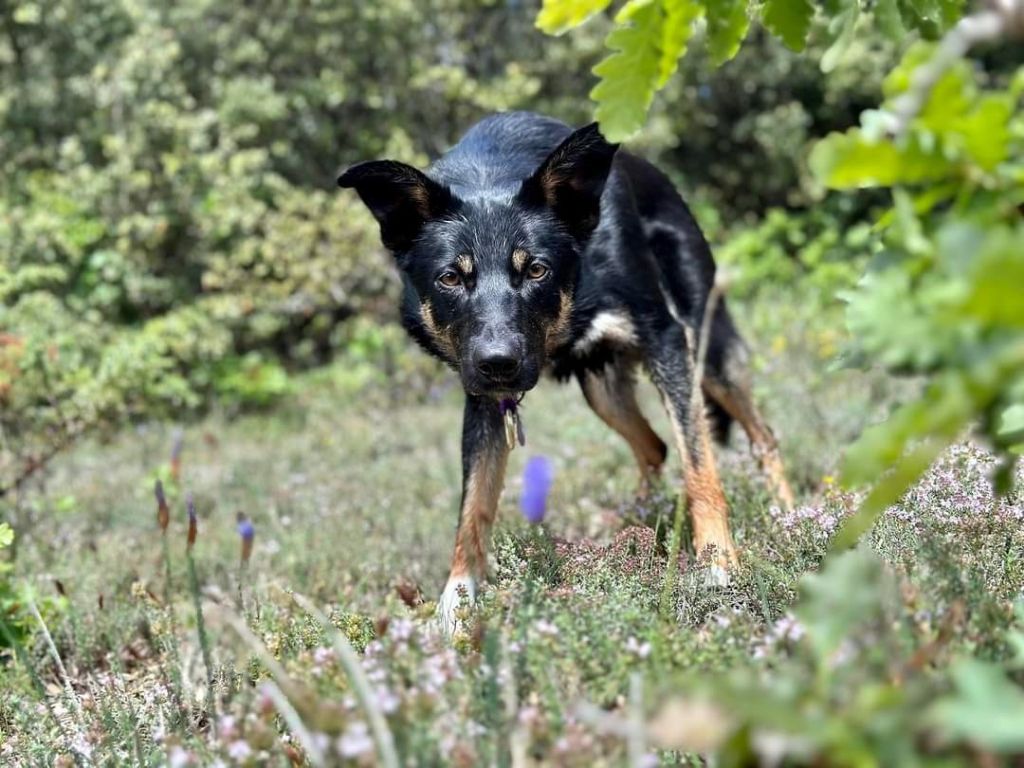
[530, 246]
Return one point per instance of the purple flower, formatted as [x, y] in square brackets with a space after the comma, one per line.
[247, 532]
[537, 477]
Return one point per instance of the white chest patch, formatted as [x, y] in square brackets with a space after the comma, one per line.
[611, 327]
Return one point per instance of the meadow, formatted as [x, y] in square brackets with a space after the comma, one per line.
[229, 483]
[574, 656]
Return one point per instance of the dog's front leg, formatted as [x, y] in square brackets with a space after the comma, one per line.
[484, 455]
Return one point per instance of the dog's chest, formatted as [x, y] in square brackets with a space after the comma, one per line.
[605, 335]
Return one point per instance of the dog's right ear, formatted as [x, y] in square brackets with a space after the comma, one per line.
[401, 198]
[571, 180]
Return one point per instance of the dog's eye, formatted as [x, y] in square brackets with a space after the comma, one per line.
[450, 279]
[536, 271]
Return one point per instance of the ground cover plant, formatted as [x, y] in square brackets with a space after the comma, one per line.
[227, 481]
[349, 491]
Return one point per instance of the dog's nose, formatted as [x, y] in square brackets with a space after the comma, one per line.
[499, 366]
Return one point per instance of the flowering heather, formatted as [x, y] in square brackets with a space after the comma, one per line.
[537, 477]
[957, 494]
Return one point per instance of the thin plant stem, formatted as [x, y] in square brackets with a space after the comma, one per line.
[55, 655]
[668, 586]
[204, 641]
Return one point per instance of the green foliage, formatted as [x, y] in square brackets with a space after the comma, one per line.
[17, 623]
[943, 297]
[790, 20]
[818, 252]
[650, 30]
[728, 24]
[636, 69]
[855, 687]
[986, 711]
[558, 17]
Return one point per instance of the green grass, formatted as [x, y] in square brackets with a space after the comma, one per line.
[353, 486]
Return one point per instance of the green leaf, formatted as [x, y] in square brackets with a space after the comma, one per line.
[630, 75]
[841, 29]
[728, 23]
[850, 160]
[848, 593]
[559, 16]
[900, 477]
[882, 451]
[987, 709]
[676, 33]
[789, 20]
[887, 19]
[6, 535]
[1011, 428]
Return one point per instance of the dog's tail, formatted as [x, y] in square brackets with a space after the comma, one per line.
[719, 421]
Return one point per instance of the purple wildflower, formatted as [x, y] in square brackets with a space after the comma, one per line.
[247, 532]
[537, 477]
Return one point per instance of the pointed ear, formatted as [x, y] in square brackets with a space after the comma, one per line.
[570, 181]
[401, 198]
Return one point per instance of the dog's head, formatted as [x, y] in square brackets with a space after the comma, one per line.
[494, 273]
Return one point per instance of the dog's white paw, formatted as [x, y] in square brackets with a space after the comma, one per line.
[716, 576]
[459, 591]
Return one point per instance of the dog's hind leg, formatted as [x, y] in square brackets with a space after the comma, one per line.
[484, 456]
[671, 363]
[611, 393]
[727, 382]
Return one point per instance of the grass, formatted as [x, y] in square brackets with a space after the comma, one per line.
[352, 486]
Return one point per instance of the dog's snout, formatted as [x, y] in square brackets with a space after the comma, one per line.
[499, 365]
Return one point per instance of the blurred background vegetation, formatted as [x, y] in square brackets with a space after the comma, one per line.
[171, 234]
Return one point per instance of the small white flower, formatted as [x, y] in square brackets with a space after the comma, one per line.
[178, 758]
[545, 627]
[638, 649]
[355, 741]
[239, 750]
[227, 727]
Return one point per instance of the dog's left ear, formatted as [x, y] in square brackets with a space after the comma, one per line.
[401, 198]
[570, 181]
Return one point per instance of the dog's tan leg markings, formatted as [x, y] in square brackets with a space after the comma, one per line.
[708, 509]
[612, 396]
[480, 492]
[672, 366]
[479, 507]
[733, 392]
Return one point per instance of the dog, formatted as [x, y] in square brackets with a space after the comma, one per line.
[530, 246]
